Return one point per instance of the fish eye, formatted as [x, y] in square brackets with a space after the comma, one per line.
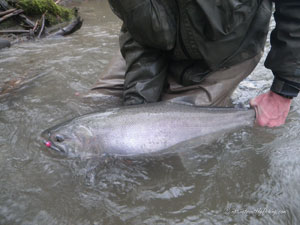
[59, 138]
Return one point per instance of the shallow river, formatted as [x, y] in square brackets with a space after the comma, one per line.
[248, 177]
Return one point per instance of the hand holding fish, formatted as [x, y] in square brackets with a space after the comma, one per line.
[271, 109]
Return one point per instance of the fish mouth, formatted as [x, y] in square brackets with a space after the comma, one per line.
[51, 144]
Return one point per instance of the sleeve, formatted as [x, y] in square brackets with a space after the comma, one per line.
[284, 57]
[146, 70]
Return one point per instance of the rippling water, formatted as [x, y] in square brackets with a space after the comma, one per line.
[248, 177]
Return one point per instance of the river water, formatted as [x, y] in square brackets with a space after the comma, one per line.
[247, 177]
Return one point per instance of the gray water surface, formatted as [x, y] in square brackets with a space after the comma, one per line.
[248, 177]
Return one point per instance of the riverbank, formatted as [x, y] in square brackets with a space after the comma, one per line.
[22, 20]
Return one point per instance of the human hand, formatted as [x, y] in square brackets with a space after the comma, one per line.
[271, 109]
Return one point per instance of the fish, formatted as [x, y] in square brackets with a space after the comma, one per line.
[143, 129]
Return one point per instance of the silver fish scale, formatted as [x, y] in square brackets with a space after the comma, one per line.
[147, 128]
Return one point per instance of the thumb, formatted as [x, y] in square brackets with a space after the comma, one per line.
[254, 105]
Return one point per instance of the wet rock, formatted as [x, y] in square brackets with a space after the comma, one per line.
[4, 43]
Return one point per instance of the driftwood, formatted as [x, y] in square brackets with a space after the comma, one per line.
[71, 28]
[4, 5]
[42, 27]
[14, 31]
[36, 25]
[14, 13]
[7, 12]
[26, 20]
[38, 28]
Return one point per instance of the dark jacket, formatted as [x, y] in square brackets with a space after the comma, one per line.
[195, 37]
[284, 57]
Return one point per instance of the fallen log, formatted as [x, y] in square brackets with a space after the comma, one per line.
[36, 29]
[71, 28]
[14, 31]
[42, 27]
[17, 12]
[7, 12]
[5, 6]
[26, 20]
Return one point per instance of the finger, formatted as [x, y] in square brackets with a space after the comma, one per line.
[253, 102]
[261, 120]
[257, 114]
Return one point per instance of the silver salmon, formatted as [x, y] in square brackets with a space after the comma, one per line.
[143, 129]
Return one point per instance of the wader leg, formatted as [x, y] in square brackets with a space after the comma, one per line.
[215, 89]
[111, 82]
